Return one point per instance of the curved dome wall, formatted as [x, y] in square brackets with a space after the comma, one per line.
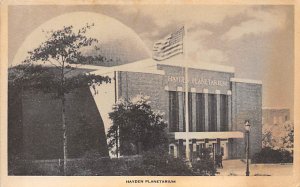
[116, 41]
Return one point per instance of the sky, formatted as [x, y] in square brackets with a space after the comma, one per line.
[257, 40]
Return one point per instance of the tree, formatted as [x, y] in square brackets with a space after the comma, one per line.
[136, 126]
[280, 136]
[61, 49]
[267, 139]
[288, 139]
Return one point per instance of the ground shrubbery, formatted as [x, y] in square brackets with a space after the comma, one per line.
[154, 162]
[204, 166]
[23, 168]
[269, 155]
[92, 164]
[158, 162]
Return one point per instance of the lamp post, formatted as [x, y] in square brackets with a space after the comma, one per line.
[247, 132]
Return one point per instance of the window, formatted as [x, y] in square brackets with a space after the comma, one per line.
[199, 102]
[183, 107]
[172, 151]
[200, 112]
[212, 113]
[173, 112]
[224, 112]
[190, 104]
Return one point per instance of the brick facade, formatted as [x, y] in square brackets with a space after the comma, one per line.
[245, 99]
[247, 105]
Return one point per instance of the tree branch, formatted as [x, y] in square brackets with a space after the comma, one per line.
[57, 61]
[54, 64]
[72, 69]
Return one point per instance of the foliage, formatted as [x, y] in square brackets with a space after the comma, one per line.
[279, 137]
[91, 164]
[288, 139]
[25, 167]
[61, 48]
[136, 125]
[269, 155]
[47, 79]
[157, 162]
[267, 139]
[204, 166]
[64, 46]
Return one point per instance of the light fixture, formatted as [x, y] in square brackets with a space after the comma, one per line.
[247, 126]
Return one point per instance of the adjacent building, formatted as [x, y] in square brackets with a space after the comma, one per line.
[276, 127]
[274, 116]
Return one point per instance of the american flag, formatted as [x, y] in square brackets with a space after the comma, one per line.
[169, 46]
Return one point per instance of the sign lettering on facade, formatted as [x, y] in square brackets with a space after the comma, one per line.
[198, 81]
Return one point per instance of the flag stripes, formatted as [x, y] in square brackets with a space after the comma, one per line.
[169, 46]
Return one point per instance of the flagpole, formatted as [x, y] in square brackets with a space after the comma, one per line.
[187, 144]
[166, 48]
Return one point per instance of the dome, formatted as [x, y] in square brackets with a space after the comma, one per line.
[116, 41]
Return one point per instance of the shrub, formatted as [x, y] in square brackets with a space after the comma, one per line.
[205, 165]
[269, 155]
[136, 126]
[157, 162]
[26, 168]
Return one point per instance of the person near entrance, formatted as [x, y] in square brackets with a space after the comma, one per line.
[218, 160]
[221, 160]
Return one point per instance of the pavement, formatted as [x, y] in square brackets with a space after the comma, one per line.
[238, 168]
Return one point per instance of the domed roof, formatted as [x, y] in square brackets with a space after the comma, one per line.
[116, 41]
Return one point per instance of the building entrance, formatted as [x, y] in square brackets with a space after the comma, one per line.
[200, 148]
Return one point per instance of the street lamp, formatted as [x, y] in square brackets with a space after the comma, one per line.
[247, 132]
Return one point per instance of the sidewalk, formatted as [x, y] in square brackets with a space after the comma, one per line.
[238, 168]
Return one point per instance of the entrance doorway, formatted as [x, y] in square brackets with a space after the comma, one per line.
[224, 149]
[198, 147]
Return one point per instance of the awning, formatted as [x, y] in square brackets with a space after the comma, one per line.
[208, 135]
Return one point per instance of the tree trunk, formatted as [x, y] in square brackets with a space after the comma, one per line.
[64, 132]
[117, 142]
[63, 116]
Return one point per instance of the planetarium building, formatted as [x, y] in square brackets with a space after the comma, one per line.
[218, 103]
